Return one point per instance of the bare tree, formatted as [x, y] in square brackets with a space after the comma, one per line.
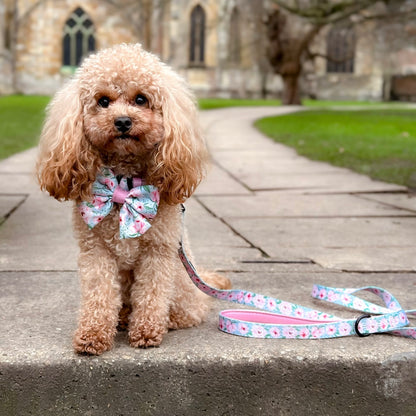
[292, 26]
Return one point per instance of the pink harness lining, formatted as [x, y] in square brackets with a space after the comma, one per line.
[269, 318]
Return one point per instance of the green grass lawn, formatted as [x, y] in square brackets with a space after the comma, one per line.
[21, 120]
[379, 143]
[212, 103]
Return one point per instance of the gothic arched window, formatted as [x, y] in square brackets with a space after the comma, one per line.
[234, 44]
[197, 38]
[340, 49]
[78, 38]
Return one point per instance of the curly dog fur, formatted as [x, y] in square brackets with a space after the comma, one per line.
[138, 283]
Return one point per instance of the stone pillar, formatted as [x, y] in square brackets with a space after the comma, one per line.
[5, 55]
[2, 26]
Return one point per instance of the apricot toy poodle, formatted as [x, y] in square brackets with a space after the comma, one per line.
[122, 141]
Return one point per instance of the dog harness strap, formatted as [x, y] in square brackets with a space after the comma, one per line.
[136, 182]
[281, 319]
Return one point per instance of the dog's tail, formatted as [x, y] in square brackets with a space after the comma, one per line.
[216, 280]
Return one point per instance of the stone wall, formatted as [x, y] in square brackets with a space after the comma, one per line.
[39, 47]
[6, 82]
[162, 26]
[365, 83]
[383, 50]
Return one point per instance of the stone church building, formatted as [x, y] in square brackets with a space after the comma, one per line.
[219, 46]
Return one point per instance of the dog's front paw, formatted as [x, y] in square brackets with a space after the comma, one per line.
[148, 335]
[92, 342]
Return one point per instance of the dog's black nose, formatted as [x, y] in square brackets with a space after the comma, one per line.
[123, 124]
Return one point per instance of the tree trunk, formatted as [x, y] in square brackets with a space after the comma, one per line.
[291, 90]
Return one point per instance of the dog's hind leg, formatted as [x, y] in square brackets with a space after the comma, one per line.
[190, 305]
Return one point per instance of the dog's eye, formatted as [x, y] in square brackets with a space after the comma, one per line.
[140, 100]
[104, 102]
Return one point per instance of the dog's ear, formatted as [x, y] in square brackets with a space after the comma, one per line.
[181, 157]
[65, 166]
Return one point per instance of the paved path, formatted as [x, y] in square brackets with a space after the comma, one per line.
[275, 223]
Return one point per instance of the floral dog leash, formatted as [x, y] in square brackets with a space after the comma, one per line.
[281, 319]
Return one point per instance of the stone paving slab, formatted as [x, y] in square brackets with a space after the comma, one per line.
[404, 201]
[16, 184]
[221, 183]
[38, 236]
[366, 259]
[263, 164]
[332, 182]
[303, 237]
[216, 258]
[284, 204]
[8, 203]
[200, 370]
[23, 162]
[271, 161]
[232, 129]
[338, 232]
[48, 332]
[205, 230]
[214, 244]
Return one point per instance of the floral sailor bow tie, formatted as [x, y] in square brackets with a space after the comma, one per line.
[140, 203]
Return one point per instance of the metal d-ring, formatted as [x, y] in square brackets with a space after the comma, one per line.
[356, 325]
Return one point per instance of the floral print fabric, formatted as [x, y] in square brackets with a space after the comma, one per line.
[139, 206]
[282, 319]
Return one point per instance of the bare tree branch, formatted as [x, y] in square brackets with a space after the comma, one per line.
[325, 12]
[320, 11]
